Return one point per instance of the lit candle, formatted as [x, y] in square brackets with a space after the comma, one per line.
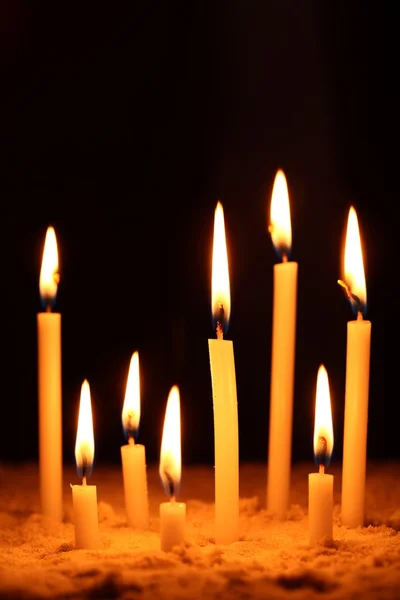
[320, 485]
[49, 385]
[133, 455]
[283, 353]
[357, 381]
[84, 496]
[223, 376]
[172, 513]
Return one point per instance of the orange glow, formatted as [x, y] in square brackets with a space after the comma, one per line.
[280, 224]
[170, 456]
[323, 427]
[84, 446]
[49, 278]
[220, 287]
[354, 276]
[131, 408]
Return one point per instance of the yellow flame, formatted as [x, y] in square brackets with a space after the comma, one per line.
[48, 281]
[323, 426]
[131, 408]
[220, 287]
[170, 456]
[84, 446]
[354, 275]
[280, 224]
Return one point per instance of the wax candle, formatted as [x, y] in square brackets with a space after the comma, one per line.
[49, 385]
[320, 485]
[357, 381]
[172, 513]
[84, 497]
[283, 353]
[223, 377]
[133, 455]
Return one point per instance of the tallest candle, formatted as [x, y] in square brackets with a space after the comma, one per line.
[283, 353]
[49, 385]
[357, 381]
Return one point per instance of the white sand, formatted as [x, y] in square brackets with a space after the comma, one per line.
[272, 560]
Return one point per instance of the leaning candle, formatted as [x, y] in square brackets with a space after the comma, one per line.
[222, 363]
[84, 496]
[172, 513]
[357, 381]
[320, 485]
[49, 385]
[133, 456]
[283, 353]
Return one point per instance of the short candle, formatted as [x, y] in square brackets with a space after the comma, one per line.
[172, 513]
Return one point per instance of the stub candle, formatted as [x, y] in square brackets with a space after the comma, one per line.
[357, 381]
[84, 497]
[49, 385]
[223, 376]
[133, 456]
[320, 485]
[283, 353]
[172, 513]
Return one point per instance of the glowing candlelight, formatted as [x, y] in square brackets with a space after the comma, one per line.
[49, 385]
[283, 352]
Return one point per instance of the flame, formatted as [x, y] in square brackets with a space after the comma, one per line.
[280, 225]
[170, 457]
[131, 408]
[323, 427]
[48, 281]
[220, 287]
[354, 275]
[84, 446]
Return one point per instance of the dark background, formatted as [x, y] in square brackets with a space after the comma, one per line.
[122, 127]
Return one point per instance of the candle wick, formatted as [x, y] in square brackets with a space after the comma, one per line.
[284, 257]
[48, 307]
[321, 469]
[131, 440]
[220, 331]
[352, 297]
[219, 328]
[84, 480]
[172, 499]
[360, 316]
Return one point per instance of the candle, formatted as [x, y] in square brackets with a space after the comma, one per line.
[49, 385]
[357, 381]
[84, 496]
[133, 456]
[320, 485]
[283, 353]
[172, 513]
[222, 364]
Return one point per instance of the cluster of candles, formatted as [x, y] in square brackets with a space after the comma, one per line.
[172, 513]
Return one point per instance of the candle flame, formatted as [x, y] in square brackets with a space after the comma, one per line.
[354, 275]
[220, 286]
[170, 457]
[323, 427]
[49, 278]
[84, 446]
[280, 225]
[131, 408]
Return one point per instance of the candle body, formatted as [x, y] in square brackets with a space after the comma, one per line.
[50, 414]
[355, 422]
[172, 524]
[282, 380]
[226, 442]
[320, 507]
[84, 498]
[133, 457]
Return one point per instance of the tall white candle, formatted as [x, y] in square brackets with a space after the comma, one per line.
[357, 381]
[223, 376]
[84, 496]
[283, 353]
[49, 386]
[172, 513]
[133, 456]
[320, 485]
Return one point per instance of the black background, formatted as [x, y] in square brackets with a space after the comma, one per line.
[122, 127]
